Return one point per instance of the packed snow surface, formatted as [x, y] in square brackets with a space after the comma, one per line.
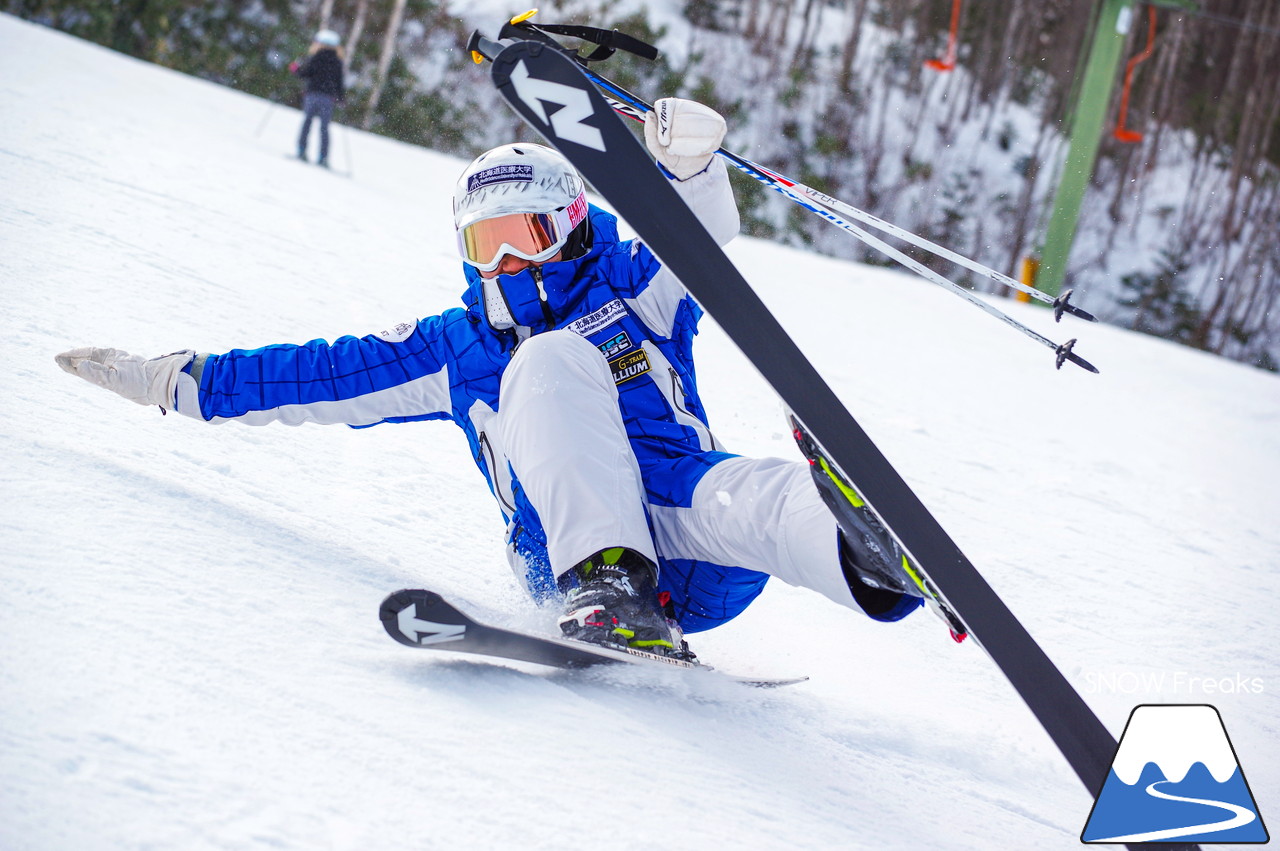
[190, 655]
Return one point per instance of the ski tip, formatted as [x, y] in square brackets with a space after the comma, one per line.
[417, 617]
[397, 600]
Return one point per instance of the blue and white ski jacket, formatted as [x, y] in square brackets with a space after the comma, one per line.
[449, 367]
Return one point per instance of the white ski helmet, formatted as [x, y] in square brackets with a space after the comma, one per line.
[521, 199]
[328, 38]
[519, 178]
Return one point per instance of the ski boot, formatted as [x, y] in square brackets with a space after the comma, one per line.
[874, 563]
[611, 601]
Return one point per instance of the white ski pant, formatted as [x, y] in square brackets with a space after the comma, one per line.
[561, 429]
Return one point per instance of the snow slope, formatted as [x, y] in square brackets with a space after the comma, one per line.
[189, 652]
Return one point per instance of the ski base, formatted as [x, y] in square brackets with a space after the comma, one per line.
[420, 618]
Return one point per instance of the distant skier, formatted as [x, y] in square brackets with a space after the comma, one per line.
[323, 73]
[570, 370]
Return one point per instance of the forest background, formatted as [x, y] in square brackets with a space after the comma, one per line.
[1179, 233]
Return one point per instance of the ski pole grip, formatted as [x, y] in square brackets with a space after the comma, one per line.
[485, 48]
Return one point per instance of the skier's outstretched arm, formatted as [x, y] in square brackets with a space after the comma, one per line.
[399, 375]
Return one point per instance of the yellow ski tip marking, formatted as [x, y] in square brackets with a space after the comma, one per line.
[520, 19]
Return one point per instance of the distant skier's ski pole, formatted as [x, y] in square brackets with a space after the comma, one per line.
[346, 148]
[262, 125]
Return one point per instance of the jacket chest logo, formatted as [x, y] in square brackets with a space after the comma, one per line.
[615, 345]
[585, 326]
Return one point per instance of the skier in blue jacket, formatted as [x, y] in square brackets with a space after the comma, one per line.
[570, 369]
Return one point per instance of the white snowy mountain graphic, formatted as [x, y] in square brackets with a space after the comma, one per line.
[1175, 776]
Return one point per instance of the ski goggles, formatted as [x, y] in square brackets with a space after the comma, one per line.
[532, 236]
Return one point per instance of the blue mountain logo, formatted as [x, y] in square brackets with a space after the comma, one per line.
[1175, 777]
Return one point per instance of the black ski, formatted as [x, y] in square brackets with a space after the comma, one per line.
[550, 92]
[418, 618]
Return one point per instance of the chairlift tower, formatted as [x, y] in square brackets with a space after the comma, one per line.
[1088, 117]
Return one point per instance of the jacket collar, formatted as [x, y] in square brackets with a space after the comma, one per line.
[537, 300]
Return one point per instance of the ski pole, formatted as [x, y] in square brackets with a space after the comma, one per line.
[792, 191]
[635, 108]
[1060, 304]
[1064, 351]
[632, 106]
[346, 148]
[262, 125]
[610, 41]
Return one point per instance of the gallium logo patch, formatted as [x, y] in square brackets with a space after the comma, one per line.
[615, 345]
[522, 173]
[630, 365]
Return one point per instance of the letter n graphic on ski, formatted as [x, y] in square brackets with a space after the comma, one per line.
[559, 104]
[1175, 778]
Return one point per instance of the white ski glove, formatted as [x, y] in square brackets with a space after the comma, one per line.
[683, 135]
[146, 381]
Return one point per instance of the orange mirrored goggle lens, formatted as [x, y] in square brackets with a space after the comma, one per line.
[533, 236]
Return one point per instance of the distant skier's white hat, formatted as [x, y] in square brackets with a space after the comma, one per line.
[329, 38]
